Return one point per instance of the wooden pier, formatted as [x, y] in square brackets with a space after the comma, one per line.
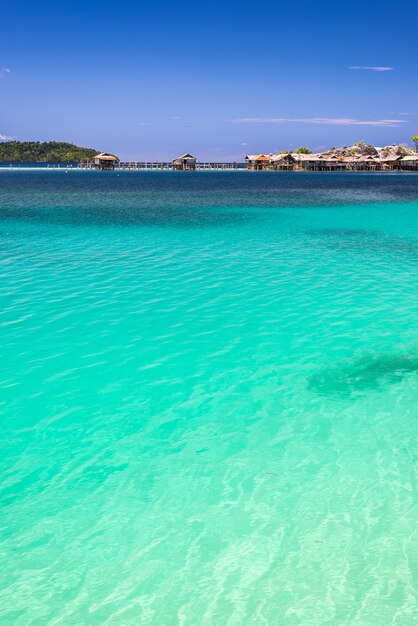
[164, 165]
[310, 163]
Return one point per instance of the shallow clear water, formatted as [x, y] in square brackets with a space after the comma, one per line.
[209, 397]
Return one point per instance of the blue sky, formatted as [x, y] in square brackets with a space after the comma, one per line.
[150, 80]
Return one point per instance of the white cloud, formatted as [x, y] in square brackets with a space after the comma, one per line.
[4, 71]
[144, 124]
[244, 143]
[5, 137]
[330, 121]
[371, 68]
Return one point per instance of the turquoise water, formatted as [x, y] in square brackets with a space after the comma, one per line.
[209, 398]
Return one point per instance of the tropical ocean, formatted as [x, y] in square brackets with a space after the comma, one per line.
[209, 395]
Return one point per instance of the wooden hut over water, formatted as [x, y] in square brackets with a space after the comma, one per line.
[300, 159]
[105, 161]
[257, 161]
[366, 162]
[409, 162]
[185, 162]
[283, 161]
[390, 162]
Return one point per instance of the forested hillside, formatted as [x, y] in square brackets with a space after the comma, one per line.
[31, 151]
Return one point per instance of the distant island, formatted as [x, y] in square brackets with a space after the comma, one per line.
[43, 152]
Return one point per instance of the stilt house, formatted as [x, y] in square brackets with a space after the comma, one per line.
[185, 162]
[105, 161]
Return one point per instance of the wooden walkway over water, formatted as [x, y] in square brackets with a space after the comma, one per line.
[165, 165]
[316, 166]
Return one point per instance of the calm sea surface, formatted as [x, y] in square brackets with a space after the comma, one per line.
[209, 396]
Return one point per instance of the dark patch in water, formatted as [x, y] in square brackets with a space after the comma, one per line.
[184, 199]
[358, 239]
[362, 375]
[181, 217]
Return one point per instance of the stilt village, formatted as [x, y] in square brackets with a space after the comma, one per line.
[359, 157]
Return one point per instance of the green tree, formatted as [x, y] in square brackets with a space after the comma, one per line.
[303, 150]
[415, 140]
[401, 151]
[34, 151]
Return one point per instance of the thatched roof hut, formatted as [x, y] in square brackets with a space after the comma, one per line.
[282, 161]
[105, 161]
[409, 162]
[390, 162]
[184, 162]
[257, 161]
